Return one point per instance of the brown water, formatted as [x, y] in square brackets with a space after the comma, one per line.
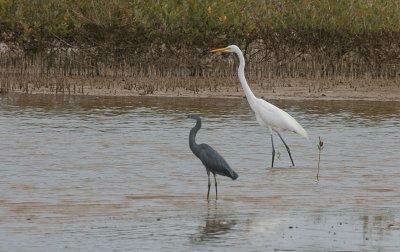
[104, 174]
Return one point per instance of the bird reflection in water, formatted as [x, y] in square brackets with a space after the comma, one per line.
[215, 225]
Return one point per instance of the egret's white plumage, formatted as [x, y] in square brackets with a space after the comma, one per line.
[267, 114]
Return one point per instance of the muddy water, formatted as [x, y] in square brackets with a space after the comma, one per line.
[103, 174]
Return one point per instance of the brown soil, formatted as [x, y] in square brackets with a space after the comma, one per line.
[358, 89]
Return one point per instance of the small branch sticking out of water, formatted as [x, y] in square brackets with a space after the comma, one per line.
[320, 146]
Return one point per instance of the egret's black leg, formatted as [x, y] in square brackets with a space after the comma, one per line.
[216, 190]
[273, 151]
[209, 185]
[287, 147]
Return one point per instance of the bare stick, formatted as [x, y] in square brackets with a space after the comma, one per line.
[320, 146]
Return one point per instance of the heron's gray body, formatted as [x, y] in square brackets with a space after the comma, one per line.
[211, 159]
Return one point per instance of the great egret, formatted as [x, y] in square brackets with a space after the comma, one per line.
[210, 158]
[267, 115]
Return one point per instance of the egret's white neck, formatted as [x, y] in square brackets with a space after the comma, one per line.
[249, 94]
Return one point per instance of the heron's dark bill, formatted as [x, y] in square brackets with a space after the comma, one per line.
[193, 116]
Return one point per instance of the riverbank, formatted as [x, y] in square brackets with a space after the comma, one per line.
[290, 88]
[279, 39]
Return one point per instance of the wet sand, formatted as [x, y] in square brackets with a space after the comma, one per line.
[296, 88]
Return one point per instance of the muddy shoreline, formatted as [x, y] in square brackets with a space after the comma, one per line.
[295, 88]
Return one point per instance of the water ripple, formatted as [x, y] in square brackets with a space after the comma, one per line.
[117, 174]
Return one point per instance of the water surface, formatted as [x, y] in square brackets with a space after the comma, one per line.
[102, 174]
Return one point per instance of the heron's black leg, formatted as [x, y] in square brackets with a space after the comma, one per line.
[287, 147]
[216, 190]
[209, 185]
[273, 151]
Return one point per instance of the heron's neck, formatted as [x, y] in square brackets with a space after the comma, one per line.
[249, 94]
[192, 136]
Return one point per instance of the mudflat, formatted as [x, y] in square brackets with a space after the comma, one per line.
[277, 88]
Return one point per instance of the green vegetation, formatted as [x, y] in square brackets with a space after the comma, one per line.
[284, 38]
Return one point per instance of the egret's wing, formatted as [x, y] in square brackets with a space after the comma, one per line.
[277, 118]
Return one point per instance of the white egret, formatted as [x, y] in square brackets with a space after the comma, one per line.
[267, 114]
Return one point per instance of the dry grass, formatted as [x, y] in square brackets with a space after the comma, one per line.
[68, 46]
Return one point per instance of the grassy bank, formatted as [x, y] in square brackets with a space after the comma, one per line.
[128, 38]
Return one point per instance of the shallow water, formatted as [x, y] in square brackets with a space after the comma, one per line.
[102, 174]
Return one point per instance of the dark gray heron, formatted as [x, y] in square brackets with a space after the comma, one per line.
[210, 158]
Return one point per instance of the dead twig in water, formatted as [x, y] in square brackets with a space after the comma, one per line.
[320, 146]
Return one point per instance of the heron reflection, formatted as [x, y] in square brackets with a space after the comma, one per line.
[215, 225]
